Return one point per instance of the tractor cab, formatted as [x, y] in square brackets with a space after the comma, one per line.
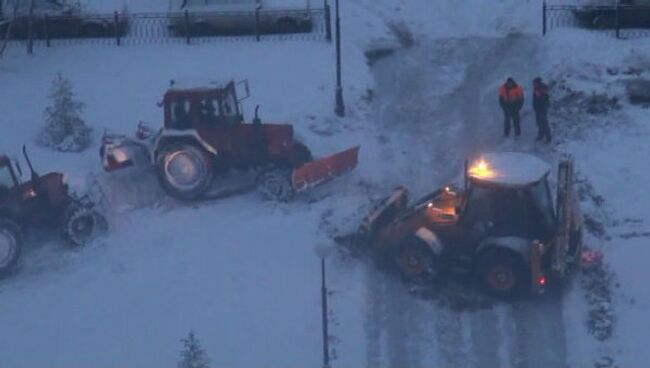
[507, 194]
[193, 108]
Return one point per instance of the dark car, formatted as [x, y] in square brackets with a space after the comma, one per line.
[55, 19]
[628, 14]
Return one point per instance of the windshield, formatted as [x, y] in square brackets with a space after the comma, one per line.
[525, 212]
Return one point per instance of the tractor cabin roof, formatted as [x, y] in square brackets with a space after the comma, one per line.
[198, 84]
[184, 90]
[511, 169]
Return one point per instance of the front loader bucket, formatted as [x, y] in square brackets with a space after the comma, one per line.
[383, 214]
[317, 172]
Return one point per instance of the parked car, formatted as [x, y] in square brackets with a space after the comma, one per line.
[218, 17]
[606, 15]
[56, 19]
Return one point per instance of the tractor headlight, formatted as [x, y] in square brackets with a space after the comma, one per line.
[120, 155]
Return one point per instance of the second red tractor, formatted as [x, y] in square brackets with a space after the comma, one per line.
[204, 136]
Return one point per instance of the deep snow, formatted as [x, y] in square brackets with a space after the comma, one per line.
[243, 273]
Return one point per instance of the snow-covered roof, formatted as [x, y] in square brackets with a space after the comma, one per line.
[509, 168]
[196, 84]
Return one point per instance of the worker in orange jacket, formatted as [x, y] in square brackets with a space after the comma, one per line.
[511, 99]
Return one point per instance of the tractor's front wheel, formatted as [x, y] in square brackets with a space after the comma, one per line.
[276, 185]
[184, 171]
[81, 224]
[11, 242]
[415, 260]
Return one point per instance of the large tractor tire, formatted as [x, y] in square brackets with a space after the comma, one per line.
[11, 242]
[185, 171]
[503, 273]
[276, 185]
[81, 224]
[415, 261]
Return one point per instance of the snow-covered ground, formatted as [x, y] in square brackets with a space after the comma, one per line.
[244, 273]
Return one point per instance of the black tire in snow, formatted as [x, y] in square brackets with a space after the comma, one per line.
[276, 185]
[415, 260]
[81, 225]
[11, 242]
[185, 171]
[503, 273]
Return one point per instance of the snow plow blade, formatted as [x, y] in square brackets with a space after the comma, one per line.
[320, 171]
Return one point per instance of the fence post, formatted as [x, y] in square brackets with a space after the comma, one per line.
[30, 29]
[618, 19]
[257, 24]
[328, 22]
[186, 16]
[116, 21]
[46, 33]
[544, 18]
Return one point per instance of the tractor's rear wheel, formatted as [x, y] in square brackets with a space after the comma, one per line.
[11, 242]
[415, 260]
[184, 171]
[502, 273]
[80, 225]
[276, 185]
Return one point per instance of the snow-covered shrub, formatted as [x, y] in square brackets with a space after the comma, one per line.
[193, 355]
[64, 129]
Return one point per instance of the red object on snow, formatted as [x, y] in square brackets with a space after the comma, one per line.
[590, 257]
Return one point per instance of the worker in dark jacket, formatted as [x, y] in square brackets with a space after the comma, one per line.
[511, 99]
[541, 103]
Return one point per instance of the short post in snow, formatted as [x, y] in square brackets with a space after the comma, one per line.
[186, 17]
[30, 29]
[116, 22]
[45, 31]
[340, 105]
[618, 19]
[326, 348]
[257, 24]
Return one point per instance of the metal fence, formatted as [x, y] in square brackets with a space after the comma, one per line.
[180, 27]
[621, 21]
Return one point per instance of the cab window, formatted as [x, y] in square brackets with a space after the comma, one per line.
[229, 106]
[6, 179]
[180, 114]
[208, 110]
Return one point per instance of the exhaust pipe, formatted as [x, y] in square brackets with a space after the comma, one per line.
[33, 173]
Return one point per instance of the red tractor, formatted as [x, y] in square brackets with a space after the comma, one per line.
[43, 201]
[204, 137]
